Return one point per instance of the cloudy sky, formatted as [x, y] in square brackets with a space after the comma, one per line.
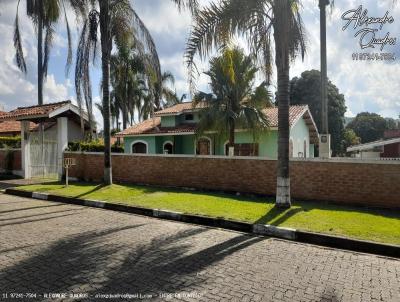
[368, 85]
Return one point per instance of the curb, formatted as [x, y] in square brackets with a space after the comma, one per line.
[257, 229]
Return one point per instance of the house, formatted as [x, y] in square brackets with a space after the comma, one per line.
[172, 131]
[11, 128]
[388, 147]
[45, 132]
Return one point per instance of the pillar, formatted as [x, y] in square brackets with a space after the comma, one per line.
[62, 142]
[25, 150]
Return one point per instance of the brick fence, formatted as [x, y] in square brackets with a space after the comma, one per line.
[10, 160]
[350, 182]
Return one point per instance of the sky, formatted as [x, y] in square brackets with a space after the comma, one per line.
[372, 86]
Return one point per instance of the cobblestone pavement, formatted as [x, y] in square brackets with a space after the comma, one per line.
[55, 249]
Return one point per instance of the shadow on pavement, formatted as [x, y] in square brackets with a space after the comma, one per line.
[91, 263]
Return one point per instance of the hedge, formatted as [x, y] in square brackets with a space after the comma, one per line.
[10, 142]
[94, 146]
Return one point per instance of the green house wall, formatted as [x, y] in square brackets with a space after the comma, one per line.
[168, 121]
[268, 142]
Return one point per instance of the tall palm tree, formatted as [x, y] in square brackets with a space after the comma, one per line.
[260, 21]
[126, 68]
[233, 101]
[119, 24]
[45, 14]
[163, 93]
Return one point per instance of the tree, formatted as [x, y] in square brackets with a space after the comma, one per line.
[45, 14]
[118, 24]
[163, 91]
[127, 69]
[392, 124]
[350, 138]
[233, 101]
[368, 126]
[307, 90]
[261, 21]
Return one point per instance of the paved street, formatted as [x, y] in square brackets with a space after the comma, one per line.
[56, 249]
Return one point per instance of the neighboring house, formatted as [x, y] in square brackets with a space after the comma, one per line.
[389, 147]
[172, 131]
[13, 128]
[42, 147]
[10, 122]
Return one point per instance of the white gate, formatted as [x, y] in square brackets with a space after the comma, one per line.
[43, 154]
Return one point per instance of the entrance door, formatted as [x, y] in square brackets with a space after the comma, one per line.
[43, 154]
[203, 147]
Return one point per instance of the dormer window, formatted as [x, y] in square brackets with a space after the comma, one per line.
[189, 117]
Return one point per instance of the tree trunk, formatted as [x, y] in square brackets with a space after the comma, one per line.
[105, 64]
[281, 35]
[124, 116]
[40, 52]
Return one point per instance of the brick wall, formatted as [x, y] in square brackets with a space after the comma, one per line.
[373, 184]
[16, 160]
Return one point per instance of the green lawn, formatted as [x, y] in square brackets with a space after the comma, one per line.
[361, 223]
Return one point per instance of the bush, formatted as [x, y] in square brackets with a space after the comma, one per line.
[93, 146]
[13, 142]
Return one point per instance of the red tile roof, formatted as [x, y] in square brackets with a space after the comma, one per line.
[33, 111]
[153, 126]
[295, 112]
[12, 127]
[179, 108]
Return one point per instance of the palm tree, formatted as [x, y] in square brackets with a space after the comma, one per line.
[126, 68]
[119, 24]
[45, 14]
[234, 100]
[259, 21]
[163, 94]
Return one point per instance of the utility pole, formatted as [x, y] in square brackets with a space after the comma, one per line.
[325, 138]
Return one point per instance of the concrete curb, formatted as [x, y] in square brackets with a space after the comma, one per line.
[257, 229]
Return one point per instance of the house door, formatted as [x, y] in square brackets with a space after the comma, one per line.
[203, 147]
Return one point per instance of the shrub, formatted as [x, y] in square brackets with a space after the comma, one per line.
[93, 146]
[13, 142]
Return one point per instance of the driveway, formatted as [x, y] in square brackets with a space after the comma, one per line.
[54, 251]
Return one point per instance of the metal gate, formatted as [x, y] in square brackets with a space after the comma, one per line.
[43, 154]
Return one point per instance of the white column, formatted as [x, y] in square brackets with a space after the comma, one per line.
[25, 150]
[325, 146]
[62, 142]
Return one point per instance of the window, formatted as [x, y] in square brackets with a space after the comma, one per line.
[189, 117]
[305, 148]
[139, 148]
[168, 148]
[243, 149]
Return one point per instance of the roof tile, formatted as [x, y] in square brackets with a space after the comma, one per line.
[153, 126]
[13, 127]
[39, 110]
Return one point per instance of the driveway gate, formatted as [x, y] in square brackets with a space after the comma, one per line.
[43, 154]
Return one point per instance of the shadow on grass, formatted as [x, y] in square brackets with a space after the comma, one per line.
[95, 189]
[277, 216]
[274, 216]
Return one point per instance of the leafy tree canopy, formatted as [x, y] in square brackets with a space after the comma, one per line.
[369, 126]
[350, 138]
[234, 99]
[307, 90]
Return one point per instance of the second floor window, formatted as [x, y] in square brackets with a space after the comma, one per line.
[189, 117]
